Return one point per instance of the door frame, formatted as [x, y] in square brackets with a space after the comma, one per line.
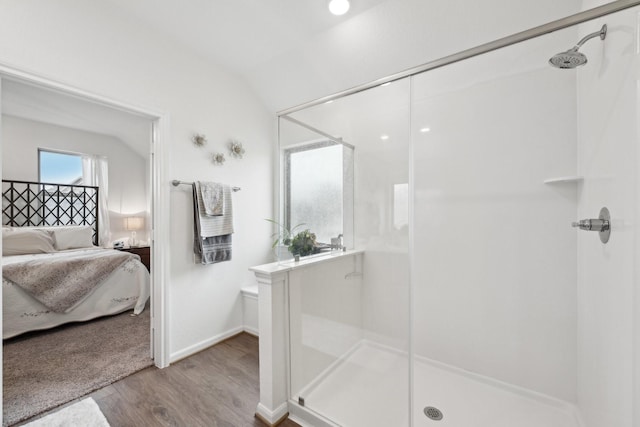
[160, 186]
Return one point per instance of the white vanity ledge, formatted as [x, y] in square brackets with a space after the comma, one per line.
[310, 261]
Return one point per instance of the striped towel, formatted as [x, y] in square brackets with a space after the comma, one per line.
[218, 225]
[212, 234]
[213, 249]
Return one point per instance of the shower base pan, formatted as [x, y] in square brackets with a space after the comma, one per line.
[369, 389]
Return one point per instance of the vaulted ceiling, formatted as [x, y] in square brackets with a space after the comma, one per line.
[56, 108]
[293, 51]
[240, 34]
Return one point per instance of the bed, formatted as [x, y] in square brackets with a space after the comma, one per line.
[53, 272]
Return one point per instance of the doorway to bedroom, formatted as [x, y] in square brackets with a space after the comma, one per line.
[117, 150]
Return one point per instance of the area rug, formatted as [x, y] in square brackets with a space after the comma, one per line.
[85, 413]
[46, 369]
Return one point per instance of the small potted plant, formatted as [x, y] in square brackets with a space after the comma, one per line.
[303, 243]
[299, 244]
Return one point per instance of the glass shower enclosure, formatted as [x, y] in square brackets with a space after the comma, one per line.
[341, 313]
[471, 300]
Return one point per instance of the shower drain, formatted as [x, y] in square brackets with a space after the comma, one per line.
[433, 413]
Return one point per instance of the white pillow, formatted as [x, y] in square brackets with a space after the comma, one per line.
[72, 237]
[69, 236]
[21, 241]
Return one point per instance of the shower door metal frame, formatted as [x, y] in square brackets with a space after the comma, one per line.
[559, 24]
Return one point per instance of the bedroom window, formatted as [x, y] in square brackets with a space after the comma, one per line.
[65, 201]
[60, 205]
[59, 167]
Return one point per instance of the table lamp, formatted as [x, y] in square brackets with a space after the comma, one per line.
[133, 224]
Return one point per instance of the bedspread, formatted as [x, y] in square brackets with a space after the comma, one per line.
[61, 282]
[125, 289]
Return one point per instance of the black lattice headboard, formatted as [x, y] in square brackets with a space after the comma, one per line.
[27, 203]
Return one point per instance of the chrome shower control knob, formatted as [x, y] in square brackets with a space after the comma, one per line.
[602, 225]
[591, 224]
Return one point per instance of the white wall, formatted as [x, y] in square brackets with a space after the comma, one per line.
[494, 264]
[91, 46]
[127, 169]
[608, 158]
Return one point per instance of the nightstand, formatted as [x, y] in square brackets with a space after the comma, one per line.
[143, 251]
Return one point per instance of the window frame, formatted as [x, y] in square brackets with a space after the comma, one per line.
[347, 184]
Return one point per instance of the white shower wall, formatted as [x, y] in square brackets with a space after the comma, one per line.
[608, 296]
[494, 264]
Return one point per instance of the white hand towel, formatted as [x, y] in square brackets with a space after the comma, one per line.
[212, 197]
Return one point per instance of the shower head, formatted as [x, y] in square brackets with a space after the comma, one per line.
[569, 59]
[572, 58]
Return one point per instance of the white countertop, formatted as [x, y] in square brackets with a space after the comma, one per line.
[311, 260]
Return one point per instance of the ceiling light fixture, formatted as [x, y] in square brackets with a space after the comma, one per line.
[384, 137]
[425, 130]
[339, 7]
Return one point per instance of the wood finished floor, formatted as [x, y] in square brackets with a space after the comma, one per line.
[217, 387]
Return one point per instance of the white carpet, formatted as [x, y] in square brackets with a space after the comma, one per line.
[85, 413]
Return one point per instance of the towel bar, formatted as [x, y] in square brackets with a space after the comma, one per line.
[176, 182]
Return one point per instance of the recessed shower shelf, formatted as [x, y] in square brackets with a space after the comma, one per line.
[564, 179]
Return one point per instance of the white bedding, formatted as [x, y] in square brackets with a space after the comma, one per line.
[127, 287]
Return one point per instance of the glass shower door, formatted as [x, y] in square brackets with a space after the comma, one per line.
[349, 312]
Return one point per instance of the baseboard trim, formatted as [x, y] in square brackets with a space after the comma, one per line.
[193, 349]
[272, 418]
[252, 331]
